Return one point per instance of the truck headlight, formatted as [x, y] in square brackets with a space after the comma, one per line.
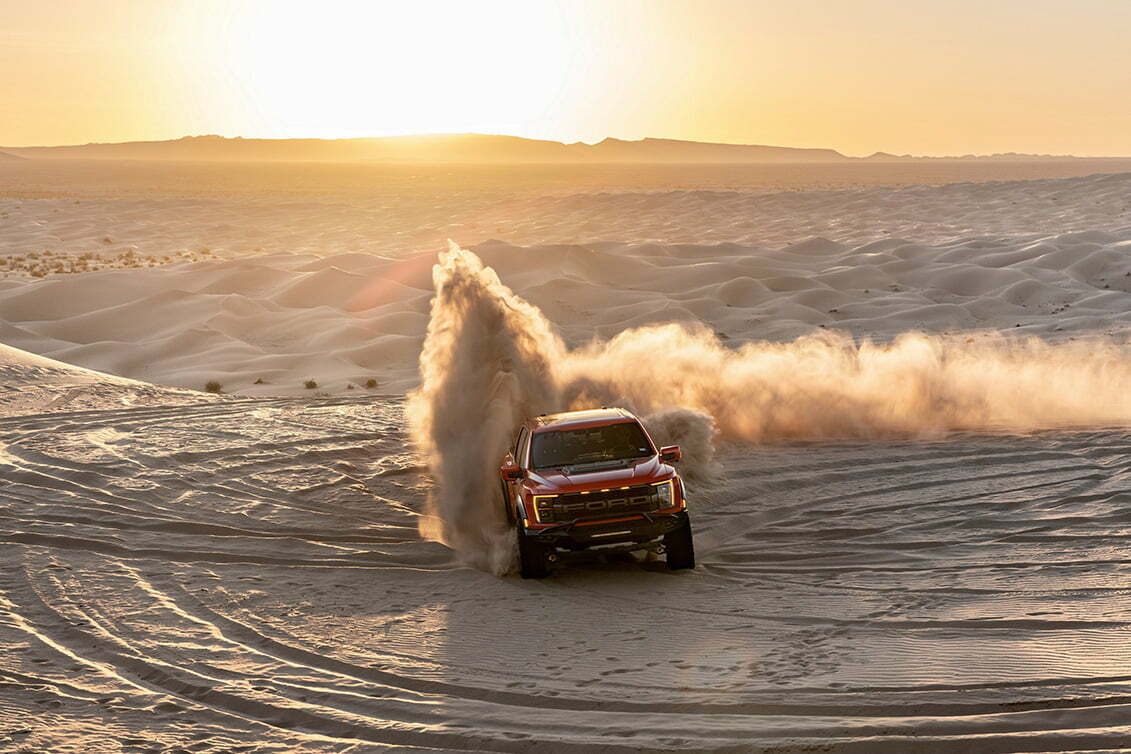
[665, 491]
[541, 504]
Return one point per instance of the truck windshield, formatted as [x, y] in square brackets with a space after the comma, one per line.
[568, 447]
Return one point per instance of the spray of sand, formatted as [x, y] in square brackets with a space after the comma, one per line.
[491, 359]
[487, 364]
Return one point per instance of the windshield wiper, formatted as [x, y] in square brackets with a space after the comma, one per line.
[569, 468]
[596, 465]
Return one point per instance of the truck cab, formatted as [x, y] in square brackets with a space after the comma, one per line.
[593, 479]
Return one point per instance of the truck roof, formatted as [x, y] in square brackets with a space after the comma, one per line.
[589, 417]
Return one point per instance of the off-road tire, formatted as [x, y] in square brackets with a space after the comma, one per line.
[679, 549]
[533, 562]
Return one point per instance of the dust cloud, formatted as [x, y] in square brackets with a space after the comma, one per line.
[490, 360]
[487, 364]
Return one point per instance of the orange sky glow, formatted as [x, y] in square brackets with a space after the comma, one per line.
[934, 77]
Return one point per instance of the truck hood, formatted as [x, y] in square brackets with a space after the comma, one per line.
[556, 481]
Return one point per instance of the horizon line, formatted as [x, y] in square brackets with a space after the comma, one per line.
[578, 143]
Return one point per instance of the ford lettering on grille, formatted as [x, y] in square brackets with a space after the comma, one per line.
[577, 506]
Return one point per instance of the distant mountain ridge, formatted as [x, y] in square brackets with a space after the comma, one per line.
[463, 148]
[456, 148]
[996, 157]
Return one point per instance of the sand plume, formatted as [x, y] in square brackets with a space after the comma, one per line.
[486, 365]
[828, 386]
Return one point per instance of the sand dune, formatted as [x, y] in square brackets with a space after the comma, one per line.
[896, 552]
[343, 319]
[411, 216]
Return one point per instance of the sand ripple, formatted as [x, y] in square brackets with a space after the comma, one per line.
[252, 567]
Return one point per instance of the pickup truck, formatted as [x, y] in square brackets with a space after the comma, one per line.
[593, 479]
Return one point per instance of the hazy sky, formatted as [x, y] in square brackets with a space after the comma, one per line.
[936, 77]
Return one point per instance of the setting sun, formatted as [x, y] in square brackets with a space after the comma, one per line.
[374, 69]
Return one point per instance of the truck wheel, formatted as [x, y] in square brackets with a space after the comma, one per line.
[679, 549]
[532, 557]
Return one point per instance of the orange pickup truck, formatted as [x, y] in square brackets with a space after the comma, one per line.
[593, 479]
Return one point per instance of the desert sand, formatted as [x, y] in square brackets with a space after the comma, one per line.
[906, 412]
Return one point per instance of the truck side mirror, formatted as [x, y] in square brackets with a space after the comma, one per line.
[670, 453]
[510, 472]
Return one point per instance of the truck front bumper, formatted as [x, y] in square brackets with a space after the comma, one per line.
[644, 527]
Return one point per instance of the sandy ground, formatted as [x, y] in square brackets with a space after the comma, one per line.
[243, 572]
[233, 573]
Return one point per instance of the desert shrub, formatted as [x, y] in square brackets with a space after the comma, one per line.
[371, 383]
[310, 384]
[213, 386]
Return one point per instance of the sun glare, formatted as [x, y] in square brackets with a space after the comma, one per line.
[369, 69]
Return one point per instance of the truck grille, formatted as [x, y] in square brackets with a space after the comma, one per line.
[598, 504]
